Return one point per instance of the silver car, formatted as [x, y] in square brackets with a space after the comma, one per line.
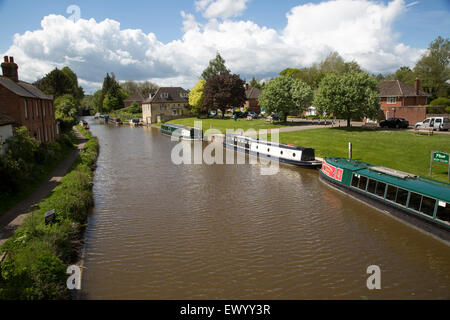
[437, 123]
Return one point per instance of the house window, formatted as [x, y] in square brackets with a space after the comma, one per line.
[39, 134]
[26, 109]
[44, 105]
[174, 112]
[37, 109]
[46, 135]
[391, 100]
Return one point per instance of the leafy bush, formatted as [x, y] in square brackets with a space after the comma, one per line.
[38, 254]
[435, 110]
[442, 101]
[134, 108]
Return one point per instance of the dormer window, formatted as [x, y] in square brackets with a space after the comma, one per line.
[164, 95]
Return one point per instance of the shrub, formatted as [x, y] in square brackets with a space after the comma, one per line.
[441, 101]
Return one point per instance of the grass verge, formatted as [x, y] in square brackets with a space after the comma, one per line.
[38, 254]
[397, 149]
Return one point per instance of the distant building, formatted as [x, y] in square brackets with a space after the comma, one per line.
[401, 100]
[252, 95]
[26, 104]
[137, 97]
[167, 103]
[6, 130]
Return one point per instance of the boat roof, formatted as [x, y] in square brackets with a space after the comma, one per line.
[178, 126]
[269, 143]
[422, 185]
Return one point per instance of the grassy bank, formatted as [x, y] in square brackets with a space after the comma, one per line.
[223, 124]
[37, 169]
[401, 150]
[38, 254]
[125, 115]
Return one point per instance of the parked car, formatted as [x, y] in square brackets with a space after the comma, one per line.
[240, 114]
[394, 123]
[253, 115]
[437, 123]
[213, 113]
[276, 117]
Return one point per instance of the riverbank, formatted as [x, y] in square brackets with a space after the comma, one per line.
[396, 149]
[37, 255]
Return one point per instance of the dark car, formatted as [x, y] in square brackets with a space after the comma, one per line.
[253, 115]
[394, 123]
[240, 114]
[276, 117]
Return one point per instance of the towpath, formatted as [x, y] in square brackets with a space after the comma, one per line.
[14, 217]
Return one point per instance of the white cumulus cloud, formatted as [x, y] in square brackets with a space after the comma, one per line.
[360, 30]
[221, 8]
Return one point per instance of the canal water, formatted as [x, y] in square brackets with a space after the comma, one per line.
[165, 231]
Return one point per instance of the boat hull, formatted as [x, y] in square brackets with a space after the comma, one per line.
[416, 221]
[306, 164]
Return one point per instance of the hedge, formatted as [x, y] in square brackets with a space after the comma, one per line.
[37, 254]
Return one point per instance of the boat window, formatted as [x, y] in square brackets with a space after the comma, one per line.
[402, 196]
[293, 154]
[268, 149]
[427, 206]
[391, 193]
[355, 180]
[443, 213]
[281, 152]
[414, 201]
[380, 189]
[247, 145]
[362, 183]
[371, 186]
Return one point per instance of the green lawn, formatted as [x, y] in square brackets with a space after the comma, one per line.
[401, 150]
[223, 124]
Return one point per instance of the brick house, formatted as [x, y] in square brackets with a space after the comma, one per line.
[137, 97]
[252, 95]
[26, 104]
[400, 100]
[167, 103]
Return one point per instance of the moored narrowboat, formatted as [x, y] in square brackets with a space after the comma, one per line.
[295, 155]
[421, 202]
[182, 132]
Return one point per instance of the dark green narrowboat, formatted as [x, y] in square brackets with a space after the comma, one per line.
[183, 132]
[421, 202]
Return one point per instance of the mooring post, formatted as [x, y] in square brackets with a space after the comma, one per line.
[349, 150]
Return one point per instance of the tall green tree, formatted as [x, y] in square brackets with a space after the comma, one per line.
[215, 67]
[351, 95]
[405, 75]
[255, 83]
[112, 95]
[285, 95]
[433, 68]
[196, 96]
[223, 91]
[77, 91]
[56, 83]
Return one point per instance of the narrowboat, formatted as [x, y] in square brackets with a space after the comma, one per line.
[421, 202]
[182, 132]
[295, 155]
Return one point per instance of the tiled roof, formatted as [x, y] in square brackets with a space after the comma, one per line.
[23, 89]
[135, 97]
[169, 94]
[396, 88]
[5, 119]
[252, 93]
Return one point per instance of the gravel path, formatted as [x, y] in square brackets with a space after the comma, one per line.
[14, 217]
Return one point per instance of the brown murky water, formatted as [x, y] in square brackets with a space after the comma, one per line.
[161, 231]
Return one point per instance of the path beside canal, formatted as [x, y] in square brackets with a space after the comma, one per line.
[14, 217]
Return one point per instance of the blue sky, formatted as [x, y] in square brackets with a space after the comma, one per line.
[412, 26]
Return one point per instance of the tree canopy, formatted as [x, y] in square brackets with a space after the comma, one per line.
[351, 95]
[223, 91]
[216, 67]
[285, 95]
[433, 68]
[196, 96]
[112, 95]
[61, 82]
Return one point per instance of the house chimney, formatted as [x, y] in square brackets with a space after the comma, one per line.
[416, 86]
[246, 86]
[9, 69]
